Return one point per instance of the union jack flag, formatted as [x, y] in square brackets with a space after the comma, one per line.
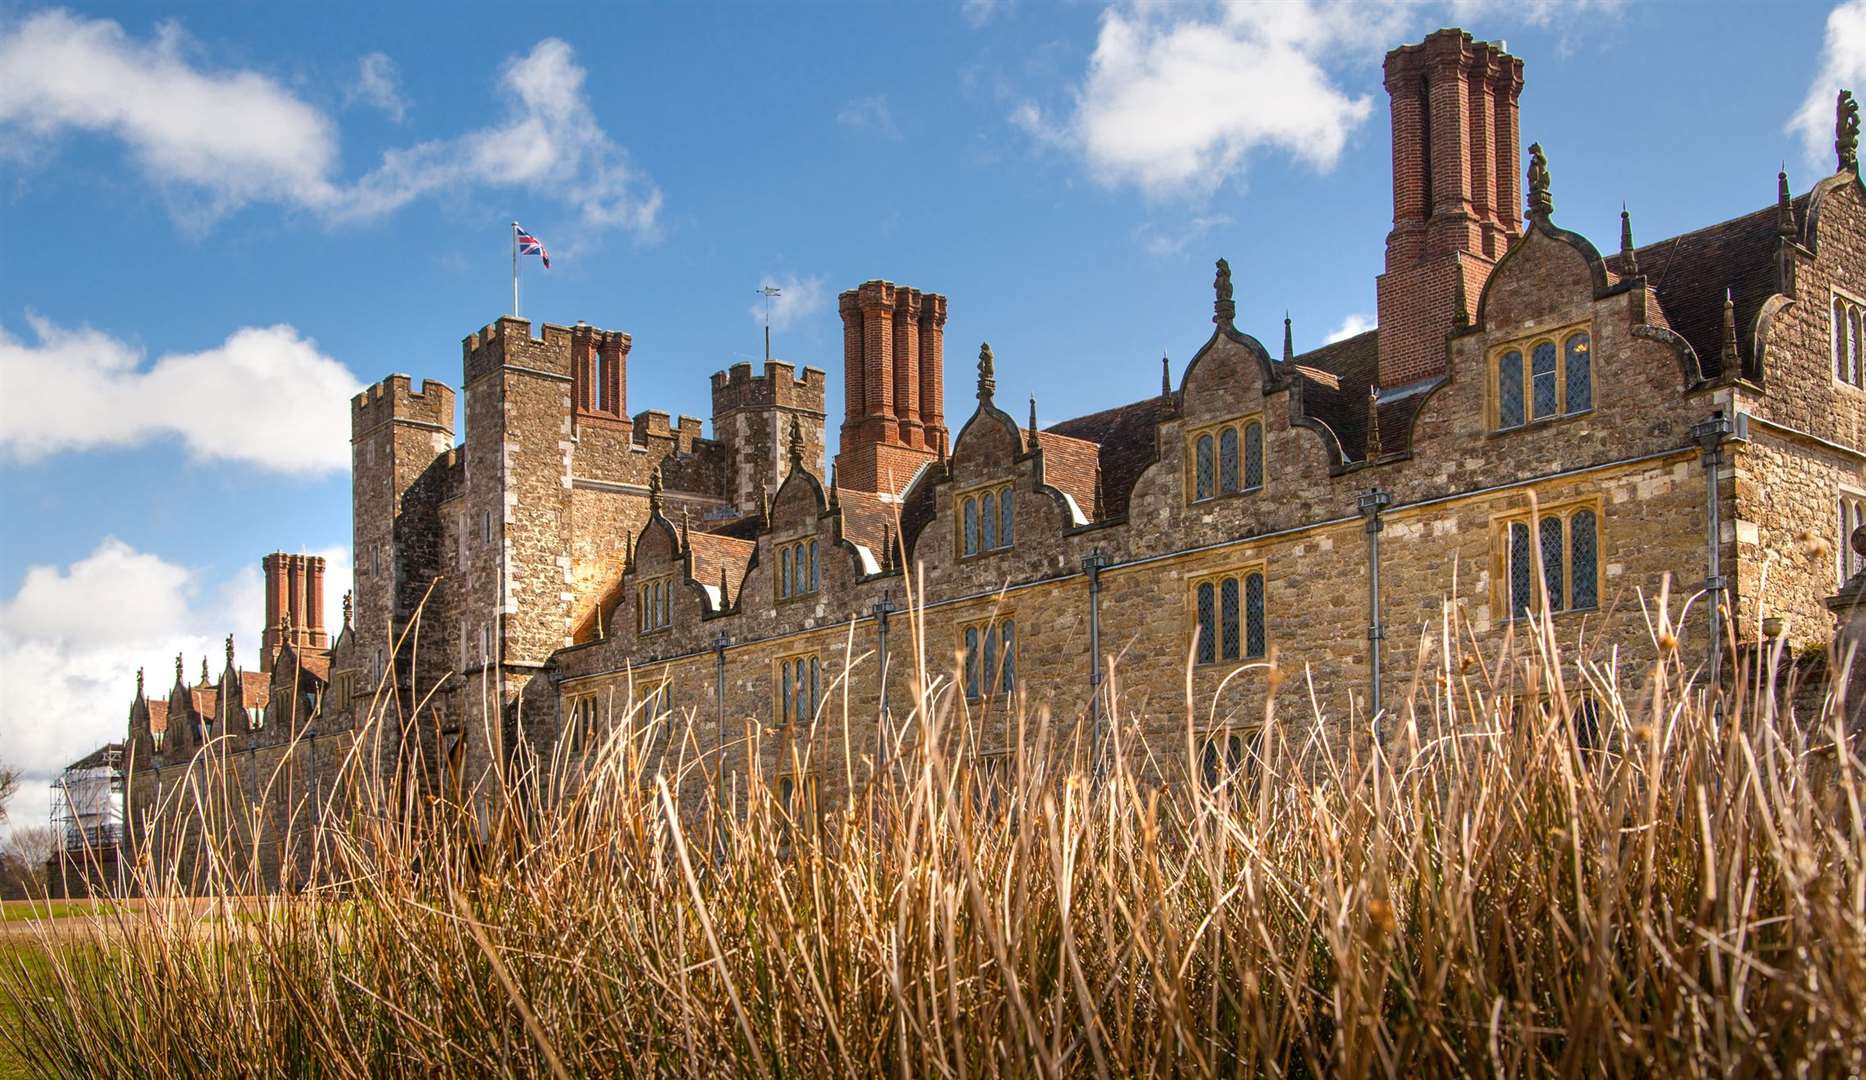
[531, 245]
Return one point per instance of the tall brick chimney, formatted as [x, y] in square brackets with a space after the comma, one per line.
[294, 605]
[1455, 191]
[893, 373]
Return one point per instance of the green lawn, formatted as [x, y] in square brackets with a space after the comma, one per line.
[25, 910]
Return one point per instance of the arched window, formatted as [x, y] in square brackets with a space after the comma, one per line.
[971, 661]
[1203, 480]
[1228, 618]
[1542, 377]
[1510, 389]
[1254, 616]
[816, 692]
[786, 708]
[813, 577]
[991, 656]
[1004, 518]
[1208, 624]
[1253, 456]
[1583, 560]
[1552, 562]
[1578, 373]
[1853, 345]
[1567, 540]
[988, 521]
[1228, 461]
[783, 572]
[1008, 680]
[1520, 568]
[1842, 369]
[971, 526]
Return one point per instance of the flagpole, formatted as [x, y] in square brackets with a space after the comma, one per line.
[515, 269]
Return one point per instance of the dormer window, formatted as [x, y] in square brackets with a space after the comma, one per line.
[986, 522]
[654, 605]
[1542, 378]
[796, 569]
[1225, 459]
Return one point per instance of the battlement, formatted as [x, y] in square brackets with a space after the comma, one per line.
[779, 387]
[395, 398]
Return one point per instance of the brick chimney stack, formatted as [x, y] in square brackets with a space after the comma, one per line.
[1456, 197]
[294, 605]
[893, 361]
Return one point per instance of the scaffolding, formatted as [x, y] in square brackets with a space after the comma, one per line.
[87, 802]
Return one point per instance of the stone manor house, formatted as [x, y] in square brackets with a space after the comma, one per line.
[1689, 411]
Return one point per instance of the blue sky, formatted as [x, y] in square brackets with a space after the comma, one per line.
[219, 220]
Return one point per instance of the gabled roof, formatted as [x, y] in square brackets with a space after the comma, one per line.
[157, 709]
[1690, 273]
[205, 700]
[867, 519]
[1125, 444]
[255, 689]
[713, 553]
[1072, 466]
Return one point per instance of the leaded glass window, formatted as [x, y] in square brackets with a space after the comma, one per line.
[1009, 680]
[1842, 370]
[1254, 616]
[1203, 480]
[816, 693]
[1510, 389]
[1004, 518]
[1542, 379]
[1578, 373]
[813, 578]
[1253, 456]
[971, 661]
[1583, 561]
[1519, 569]
[971, 526]
[991, 670]
[1228, 613]
[783, 572]
[1208, 638]
[1552, 561]
[988, 521]
[1228, 461]
[1853, 345]
[785, 708]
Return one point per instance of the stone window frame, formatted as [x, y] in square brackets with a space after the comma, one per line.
[1243, 756]
[993, 774]
[654, 700]
[789, 782]
[976, 496]
[1524, 346]
[781, 578]
[785, 672]
[654, 610]
[579, 720]
[1850, 507]
[1242, 573]
[1855, 342]
[1215, 430]
[987, 629]
[1564, 511]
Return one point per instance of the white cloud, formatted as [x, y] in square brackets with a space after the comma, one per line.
[1843, 65]
[1350, 326]
[73, 637]
[869, 114]
[266, 396]
[378, 86]
[231, 138]
[980, 12]
[796, 299]
[1161, 242]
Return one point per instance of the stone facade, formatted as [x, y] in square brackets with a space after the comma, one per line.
[1664, 420]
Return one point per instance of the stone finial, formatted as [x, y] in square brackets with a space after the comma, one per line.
[1629, 261]
[987, 375]
[1729, 352]
[180, 679]
[1224, 308]
[654, 491]
[1289, 339]
[887, 547]
[796, 443]
[1460, 300]
[1033, 421]
[1541, 203]
[1373, 424]
[1166, 377]
[139, 682]
[229, 651]
[1784, 204]
[204, 678]
[1847, 132]
[722, 586]
[686, 531]
[349, 605]
[835, 500]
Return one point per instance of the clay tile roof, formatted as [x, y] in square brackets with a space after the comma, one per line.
[158, 714]
[205, 700]
[1339, 402]
[1691, 272]
[742, 528]
[255, 689]
[866, 519]
[1126, 443]
[713, 552]
[1073, 466]
[316, 664]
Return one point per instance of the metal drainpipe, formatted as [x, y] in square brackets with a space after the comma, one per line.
[1092, 565]
[883, 608]
[1710, 433]
[1371, 504]
[719, 704]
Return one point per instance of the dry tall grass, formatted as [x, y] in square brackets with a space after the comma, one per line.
[1476, 894]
